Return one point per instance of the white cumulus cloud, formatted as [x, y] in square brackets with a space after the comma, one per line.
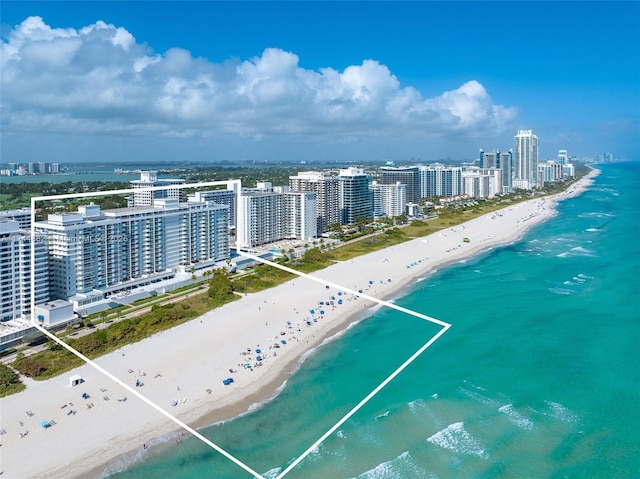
[99, 79]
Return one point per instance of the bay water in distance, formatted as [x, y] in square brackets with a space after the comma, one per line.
[537, 378]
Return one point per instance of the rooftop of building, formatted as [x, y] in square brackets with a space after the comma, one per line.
[54, 304]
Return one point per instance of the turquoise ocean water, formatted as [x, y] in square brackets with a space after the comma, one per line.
[539, 376]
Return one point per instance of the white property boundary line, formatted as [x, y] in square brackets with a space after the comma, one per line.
[445, 327]
[346, 417]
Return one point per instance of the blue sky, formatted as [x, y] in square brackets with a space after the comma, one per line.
[347, 81]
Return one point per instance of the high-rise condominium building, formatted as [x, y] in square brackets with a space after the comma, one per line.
[22, 216]
[563, 158]
[505, 163]
[300, 216]
[501, 161]
[356, 196]
[440, 180]
[482, 182]
[327, 190]
[390, 200]
[149, 179]
[15, 271]
[408, 175]
[525, 160]
[489, 159]
[219, 197]
[94, 251]
[260, 218]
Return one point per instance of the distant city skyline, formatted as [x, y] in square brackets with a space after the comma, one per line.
[134, 82]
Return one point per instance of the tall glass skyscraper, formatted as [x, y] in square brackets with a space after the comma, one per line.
[525, 160]
[356, 197]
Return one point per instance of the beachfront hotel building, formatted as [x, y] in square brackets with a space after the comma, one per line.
[327, 190]
[525, 160]
[149, 179]
[15, 271]
[94, 254]
[440, 180]
[407, 175]
[356, 198]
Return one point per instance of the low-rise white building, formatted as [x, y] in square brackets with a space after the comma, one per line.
[55, 313]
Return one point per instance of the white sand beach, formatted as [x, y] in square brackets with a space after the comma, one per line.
[185, 366]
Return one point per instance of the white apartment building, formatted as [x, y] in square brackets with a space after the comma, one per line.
[440, 180]
[525, 160]
[260, 218]
[94, 254]
[407, 175]
[15, 271]
[149, 179]
[327, 190]
[389, 200]
[300, 215]
[22, 216]
[475, 184]
[568, 170]
[267, 214]
[549, 172]
[563, 157]
[220, 197]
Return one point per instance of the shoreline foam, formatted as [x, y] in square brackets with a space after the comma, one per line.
[193, 358]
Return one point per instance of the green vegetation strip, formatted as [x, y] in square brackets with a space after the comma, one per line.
[9, 381]
[56, 360]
